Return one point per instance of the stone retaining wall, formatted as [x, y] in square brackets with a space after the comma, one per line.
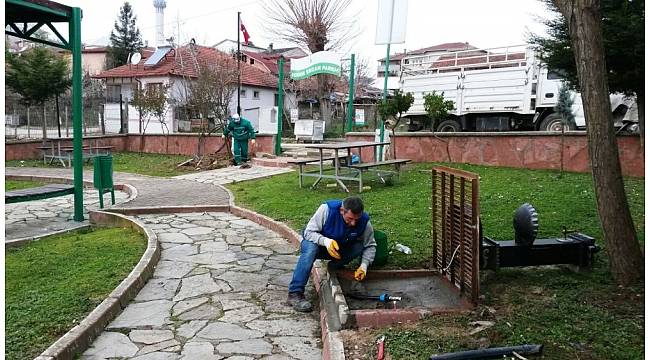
[530, 150]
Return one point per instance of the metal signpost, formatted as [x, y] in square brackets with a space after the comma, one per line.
[391, 29]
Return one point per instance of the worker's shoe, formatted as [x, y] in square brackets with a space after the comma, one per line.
[245, 166]
[298, 302]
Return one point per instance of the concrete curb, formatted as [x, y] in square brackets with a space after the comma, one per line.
[81, 336]
[22, 241]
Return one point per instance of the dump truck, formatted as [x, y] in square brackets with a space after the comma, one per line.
[496, 89]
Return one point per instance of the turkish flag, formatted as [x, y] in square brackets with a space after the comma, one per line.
[245, 32]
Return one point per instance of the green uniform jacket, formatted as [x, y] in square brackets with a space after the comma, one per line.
[241, 131]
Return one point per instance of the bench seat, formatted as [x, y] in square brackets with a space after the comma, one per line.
[38, 193]
[368, 165]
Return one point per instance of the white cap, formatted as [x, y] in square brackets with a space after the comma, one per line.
[235, 116]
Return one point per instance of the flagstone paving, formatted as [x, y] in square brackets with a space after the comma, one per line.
[233, 174]
[39, 217]
[218, 292]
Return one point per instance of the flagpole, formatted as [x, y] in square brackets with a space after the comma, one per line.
[238, 65]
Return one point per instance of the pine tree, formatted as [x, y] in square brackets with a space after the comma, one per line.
[125, 38]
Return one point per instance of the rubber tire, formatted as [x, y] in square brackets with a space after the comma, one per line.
[553, 123]
[449, 126]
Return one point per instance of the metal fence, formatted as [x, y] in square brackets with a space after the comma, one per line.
[37, 122]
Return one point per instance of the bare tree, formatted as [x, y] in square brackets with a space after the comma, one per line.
[584, 23]
[209, 91]
[152, 104]
[315, 25]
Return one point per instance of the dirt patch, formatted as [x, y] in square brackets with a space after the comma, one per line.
[358, 344]
[207, 162]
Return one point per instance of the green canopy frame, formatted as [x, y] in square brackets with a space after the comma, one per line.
[22, 19]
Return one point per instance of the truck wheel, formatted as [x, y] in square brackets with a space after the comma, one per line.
[448, 126]
[553, 122]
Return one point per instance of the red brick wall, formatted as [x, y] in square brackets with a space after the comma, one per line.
[28, 149]
[520, 150]
[172, 144]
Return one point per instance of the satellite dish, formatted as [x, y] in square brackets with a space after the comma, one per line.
[135, 58]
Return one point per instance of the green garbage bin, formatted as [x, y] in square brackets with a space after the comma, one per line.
[381, 256]
[103, 177]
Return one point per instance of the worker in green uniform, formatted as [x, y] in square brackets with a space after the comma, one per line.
[240, 130]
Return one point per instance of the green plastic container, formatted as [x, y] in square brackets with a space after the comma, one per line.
[103, 172]
[381, 256]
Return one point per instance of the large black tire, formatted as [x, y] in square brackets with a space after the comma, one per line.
[449, 126]
[553, 123]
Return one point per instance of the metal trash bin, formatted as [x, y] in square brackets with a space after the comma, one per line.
[103, 177]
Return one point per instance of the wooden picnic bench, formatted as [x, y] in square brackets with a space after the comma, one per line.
[38, 193]
[305, 161]
[55, 151]
[382, 174]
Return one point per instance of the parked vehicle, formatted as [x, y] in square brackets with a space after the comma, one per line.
[498, 89]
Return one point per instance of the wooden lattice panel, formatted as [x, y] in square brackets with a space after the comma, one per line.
[455, 210]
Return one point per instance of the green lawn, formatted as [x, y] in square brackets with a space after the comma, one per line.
[575, 315]
[52, 284]
[137, 163]
[20, 184]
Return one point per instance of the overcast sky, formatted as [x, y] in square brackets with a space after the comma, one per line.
[481, 23]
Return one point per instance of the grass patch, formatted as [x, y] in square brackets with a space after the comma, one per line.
[52, 284]
[575, 315]
[21, 184]
[130, 162]
[403, 210]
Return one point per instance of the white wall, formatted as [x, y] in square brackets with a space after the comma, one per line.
[254, 108]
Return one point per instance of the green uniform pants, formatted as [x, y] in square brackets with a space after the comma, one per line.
[240, 151]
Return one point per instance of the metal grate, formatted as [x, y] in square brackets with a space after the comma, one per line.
[455, 212]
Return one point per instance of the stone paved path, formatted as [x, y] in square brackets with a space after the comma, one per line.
[218, 292]
[233, 174]
[36, 218]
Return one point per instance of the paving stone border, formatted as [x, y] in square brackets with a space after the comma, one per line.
[22, 241]
[81, 336]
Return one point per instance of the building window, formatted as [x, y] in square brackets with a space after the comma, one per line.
[113, 93]
[275, 100]
[242, 93]
[155, 87]
[256, 94]
[252, 61]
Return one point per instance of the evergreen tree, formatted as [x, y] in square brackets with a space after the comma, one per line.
[564, 105]
[37, 75]
[624, 41]
[125, 38]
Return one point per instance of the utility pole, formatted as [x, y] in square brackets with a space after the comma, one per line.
[351, 95]
[238, 65]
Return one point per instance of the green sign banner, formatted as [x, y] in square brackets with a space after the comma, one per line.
[322, 62]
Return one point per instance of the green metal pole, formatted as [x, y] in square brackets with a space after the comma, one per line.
[351, 96]
[380, 156]
[278, 138]
[74, 38]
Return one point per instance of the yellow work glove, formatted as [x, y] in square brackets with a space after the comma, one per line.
[360, 273]
[332, 248]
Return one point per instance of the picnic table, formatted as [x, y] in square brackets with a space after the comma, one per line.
[55, 151]
[343, 167]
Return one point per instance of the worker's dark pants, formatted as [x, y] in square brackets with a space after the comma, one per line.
[310, 251]
[240, 151]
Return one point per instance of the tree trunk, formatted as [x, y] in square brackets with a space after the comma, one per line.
[640, 103]
[584, 22]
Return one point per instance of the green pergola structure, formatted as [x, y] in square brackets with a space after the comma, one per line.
[22, 19]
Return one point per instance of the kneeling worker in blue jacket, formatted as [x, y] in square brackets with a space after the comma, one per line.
[339, 231]
[240, 130]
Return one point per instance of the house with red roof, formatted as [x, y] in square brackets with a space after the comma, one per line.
[173, 68]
